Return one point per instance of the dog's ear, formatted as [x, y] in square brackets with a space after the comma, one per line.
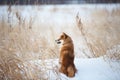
[65, 35]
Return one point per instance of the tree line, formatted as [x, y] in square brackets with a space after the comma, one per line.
[32, 2]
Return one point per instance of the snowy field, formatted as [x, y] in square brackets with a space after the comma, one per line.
[27, 41]
[88, 69]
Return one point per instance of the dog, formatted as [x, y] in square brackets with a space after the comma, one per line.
[66, 55]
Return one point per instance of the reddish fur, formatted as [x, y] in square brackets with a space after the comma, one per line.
[67, 56]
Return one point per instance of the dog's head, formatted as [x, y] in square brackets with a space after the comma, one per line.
[63, 37]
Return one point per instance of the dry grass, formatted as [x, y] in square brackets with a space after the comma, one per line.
[23, 44]
[96, 46]
[100, 33]
[19, 45]
[113, 53]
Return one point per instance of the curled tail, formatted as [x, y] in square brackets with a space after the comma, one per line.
[71, 70]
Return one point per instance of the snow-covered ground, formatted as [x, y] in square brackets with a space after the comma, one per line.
[88, 69]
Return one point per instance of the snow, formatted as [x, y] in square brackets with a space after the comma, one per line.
[63, 17]
[95, 69]
[87, 69]
[44, 13]
[56, 19]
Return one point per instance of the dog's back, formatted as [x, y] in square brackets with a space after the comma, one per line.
[67, 56]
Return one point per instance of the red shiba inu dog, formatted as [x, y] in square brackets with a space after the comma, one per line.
[67, 55]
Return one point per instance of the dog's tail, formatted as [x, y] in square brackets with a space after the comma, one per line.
[71, 70]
